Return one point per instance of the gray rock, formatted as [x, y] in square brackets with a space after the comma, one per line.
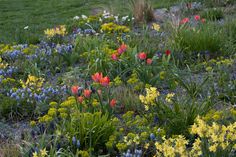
[177, 9]
[196, 5]
[161, 15]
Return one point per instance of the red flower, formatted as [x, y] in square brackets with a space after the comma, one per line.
[142, 55]
[185, 20]
[97, 77]
[87, 93]
[74, 89]
[203, 20]
[149, 61]
[113, 103]
[122, 49]
[197, 17]
[168, 52]
[114, 57]
[80, 99]
[105, 81]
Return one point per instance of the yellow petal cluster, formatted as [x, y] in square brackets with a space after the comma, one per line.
[149, 99]
[33, 82]
[112, 27]
[172, 147]
[217, 136]
[59, 30]
[169, 97]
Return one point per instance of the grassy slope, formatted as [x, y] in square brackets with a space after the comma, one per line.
[41, 14]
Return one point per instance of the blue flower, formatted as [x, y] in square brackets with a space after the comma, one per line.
[152, 136]
[74, 140]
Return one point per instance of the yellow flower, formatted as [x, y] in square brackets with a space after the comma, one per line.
[169, 96]
[196, 149]
[60, 30]
[117, 81]
[32, 123]
[151, 95]
[33, 82]
[162, 75]
[146, 145]
[95, 102]
[156, 27]
[53, 104]
[209, 68]
[46, 118]
[35, 154]
[62, 110]
[63, 115]
[43, 152]
[52, 112]
[212, 148]
[112, 27]
[233, 111]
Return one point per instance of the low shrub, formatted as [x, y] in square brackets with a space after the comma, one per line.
[204, 41]
[212, 14]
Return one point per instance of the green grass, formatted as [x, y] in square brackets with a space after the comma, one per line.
[42, 14]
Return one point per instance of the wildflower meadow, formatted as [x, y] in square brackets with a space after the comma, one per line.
[129, 78]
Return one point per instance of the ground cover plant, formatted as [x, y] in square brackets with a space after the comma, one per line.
[131, 81]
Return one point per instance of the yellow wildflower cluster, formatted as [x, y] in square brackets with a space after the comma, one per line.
[217, 136]
[69, 102]
[112, 27]
[169, 97]
[8, 80]
[225, 62]
[172, 147]
[219, 62]
[132, 138]
[59, 30]
[95, 102]
[117, 81]
[46, 118]
[213, 137]
[213, 115]
[42, 153]
[133, 80]
[32, 123]
[65, 106]
[58, 110]
[107, 50]
[149, 99]
[5, 48]
[3, 65]
[162, 75]
[156, 27]
[30, 50]
[32, 82]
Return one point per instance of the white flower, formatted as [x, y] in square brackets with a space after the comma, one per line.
[26, 27]
[116, 18]
[105, 13]
[76, 18]
[84, 16]
[124, 18]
